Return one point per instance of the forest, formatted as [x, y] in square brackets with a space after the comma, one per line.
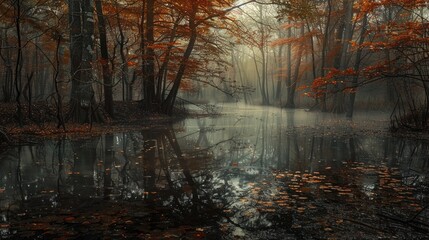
[323, 55]
[247, 119]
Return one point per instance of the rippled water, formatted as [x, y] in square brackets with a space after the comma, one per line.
[251, 173]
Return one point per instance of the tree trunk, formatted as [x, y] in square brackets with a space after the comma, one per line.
[161, 84]
[289, 61]
[240, 75]
[324, 53]
[143, 47]
[18, 63]
[290, 103]
[107, 75]
[265, 98]
[149, 78]
[5, 54]
[350, 108]
[338, 99]
[82, 100]
[75, 47]
[123, 53]
[279, 75]
[344, 36]
[264, 84]
[130, 87]
[168, 104]
[259, 77]
[59, 106]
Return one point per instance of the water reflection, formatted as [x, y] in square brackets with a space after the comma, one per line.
[254, 174]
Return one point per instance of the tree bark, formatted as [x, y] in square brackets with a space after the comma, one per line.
[278, 94]
[5, 54]
[324, 52]
[161, 85]
[290, 103]
[75, 23]
[107, 75]
[149, 78]
[350, 108]
[168, 104]
[344, 36]
[18, 63]
[123, 54]
[289, 61]
[82, 100]
[60, 116]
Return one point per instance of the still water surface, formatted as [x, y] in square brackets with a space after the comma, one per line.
[251, 173]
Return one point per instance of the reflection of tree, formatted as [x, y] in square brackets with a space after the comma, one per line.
[202, 134]
[196, 194]
[60, 148]
[85, 157]
[263, 131]
[109, 157]
[126, 140]
[150, 145]
[291, 150]
[19, 176]
[189, 191]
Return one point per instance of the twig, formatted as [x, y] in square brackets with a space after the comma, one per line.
[406, 222]
[365, 225]
[3, 133]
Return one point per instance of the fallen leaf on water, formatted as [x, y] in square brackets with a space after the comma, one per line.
[39, 226]
[69, 219]
[296, 226]
[199, 235]
[170, 236]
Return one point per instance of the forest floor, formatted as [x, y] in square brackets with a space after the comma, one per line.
[41, 122]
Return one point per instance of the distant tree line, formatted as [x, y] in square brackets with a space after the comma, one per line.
[330, 50]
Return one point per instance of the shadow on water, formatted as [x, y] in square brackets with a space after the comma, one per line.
[254, 174]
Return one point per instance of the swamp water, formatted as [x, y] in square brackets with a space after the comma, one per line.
[250, 173]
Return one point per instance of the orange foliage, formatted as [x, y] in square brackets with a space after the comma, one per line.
[371, 5]
[334, 77]
[406, 35]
